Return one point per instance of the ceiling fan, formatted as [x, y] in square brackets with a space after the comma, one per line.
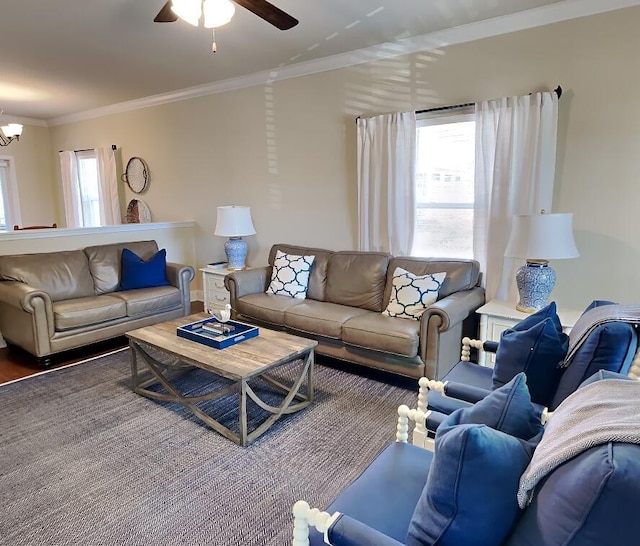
[261, 8]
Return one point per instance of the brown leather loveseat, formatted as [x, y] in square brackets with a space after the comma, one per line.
[347, 292]
[54, 301]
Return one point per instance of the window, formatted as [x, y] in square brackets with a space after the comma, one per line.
[88, 189]
[445, 186]
[9, 209]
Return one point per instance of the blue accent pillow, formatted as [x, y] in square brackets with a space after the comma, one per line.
[481, 452]
[507, 409]
[138, 273]
[550, 311]
[611, 346]
[470, 494]
[537, 352]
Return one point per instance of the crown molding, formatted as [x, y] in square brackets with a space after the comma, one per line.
[25, 121]
[545, 15]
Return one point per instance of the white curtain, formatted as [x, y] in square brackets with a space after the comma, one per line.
[386, 182]
[515, 170]
[71, 189]
[108, 187]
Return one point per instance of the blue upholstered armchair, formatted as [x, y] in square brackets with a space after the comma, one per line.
[498, 477]
[605, 337]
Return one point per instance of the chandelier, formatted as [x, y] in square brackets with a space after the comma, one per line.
[214, 13]
[9, 133]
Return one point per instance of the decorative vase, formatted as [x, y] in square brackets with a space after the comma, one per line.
[535, 282]
[236, 250]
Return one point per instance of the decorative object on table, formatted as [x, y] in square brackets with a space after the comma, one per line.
[223, 315]
[218, 265]
[138, 212]
[235, 222]
[205, 332]
[136, 175]
[538, 238]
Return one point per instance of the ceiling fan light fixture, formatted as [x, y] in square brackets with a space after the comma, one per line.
[188, 10]
[217, 12]
[12, 130]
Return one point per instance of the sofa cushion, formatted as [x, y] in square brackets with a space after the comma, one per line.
[78, 312]
[461, 274]
[381, 333]
[594, 491]
[318, 277]
[105, 262]
[394, 478]
[538, 352]
[412, 294]
[290, 275]
[62, 275]
[357, 279]
[140, 273]
[550, 311]
[321, 318]
[145, 301]
[265, 307]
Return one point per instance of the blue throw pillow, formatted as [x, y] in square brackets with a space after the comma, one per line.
[138, 273]
[550, 311]
[611, 346]
[470, 494]
[537, 352]
[507, 409]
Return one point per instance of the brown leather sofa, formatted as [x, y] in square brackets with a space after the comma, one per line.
[347, 293]
[54, 301]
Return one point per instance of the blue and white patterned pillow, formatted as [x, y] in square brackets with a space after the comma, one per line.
[290, 275]
[412, 294]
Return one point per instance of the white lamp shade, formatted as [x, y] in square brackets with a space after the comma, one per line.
[542, 237]
[217, 12]
[189, 10]
[234, 221]
[12, 129]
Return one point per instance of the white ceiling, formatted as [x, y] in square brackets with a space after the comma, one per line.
[61, 57]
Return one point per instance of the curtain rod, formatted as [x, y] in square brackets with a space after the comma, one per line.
[558, 91]
[113, 147]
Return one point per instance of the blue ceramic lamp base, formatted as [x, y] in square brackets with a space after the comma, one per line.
[236, 250]
[535, 282]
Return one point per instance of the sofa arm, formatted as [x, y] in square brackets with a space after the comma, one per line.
[26, 316]
[455, 307]
[247, 281]
[180, 276]
[346, 531]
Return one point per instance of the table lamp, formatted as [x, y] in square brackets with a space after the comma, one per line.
[538, 238]
[235, 222]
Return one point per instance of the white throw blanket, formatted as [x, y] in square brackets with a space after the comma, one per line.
[604, 411]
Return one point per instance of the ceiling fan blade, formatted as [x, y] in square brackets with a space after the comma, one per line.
[269, 13]
[165, 15]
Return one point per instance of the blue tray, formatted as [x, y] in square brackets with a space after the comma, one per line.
[202, 331]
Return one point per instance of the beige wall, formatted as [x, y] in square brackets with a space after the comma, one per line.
[31, 157]
[288, 149]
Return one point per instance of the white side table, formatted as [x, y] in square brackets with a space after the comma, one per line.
[496, 316]
[216, 295]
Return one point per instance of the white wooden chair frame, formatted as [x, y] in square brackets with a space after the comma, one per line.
[305, 517]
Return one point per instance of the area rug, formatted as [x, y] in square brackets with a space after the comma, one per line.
[85, 461]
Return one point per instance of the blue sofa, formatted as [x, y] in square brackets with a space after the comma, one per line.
[589, 499]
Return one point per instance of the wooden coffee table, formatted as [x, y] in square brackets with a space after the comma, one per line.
[242, 362]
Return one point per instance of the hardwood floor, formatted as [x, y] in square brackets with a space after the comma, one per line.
[16, 363]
